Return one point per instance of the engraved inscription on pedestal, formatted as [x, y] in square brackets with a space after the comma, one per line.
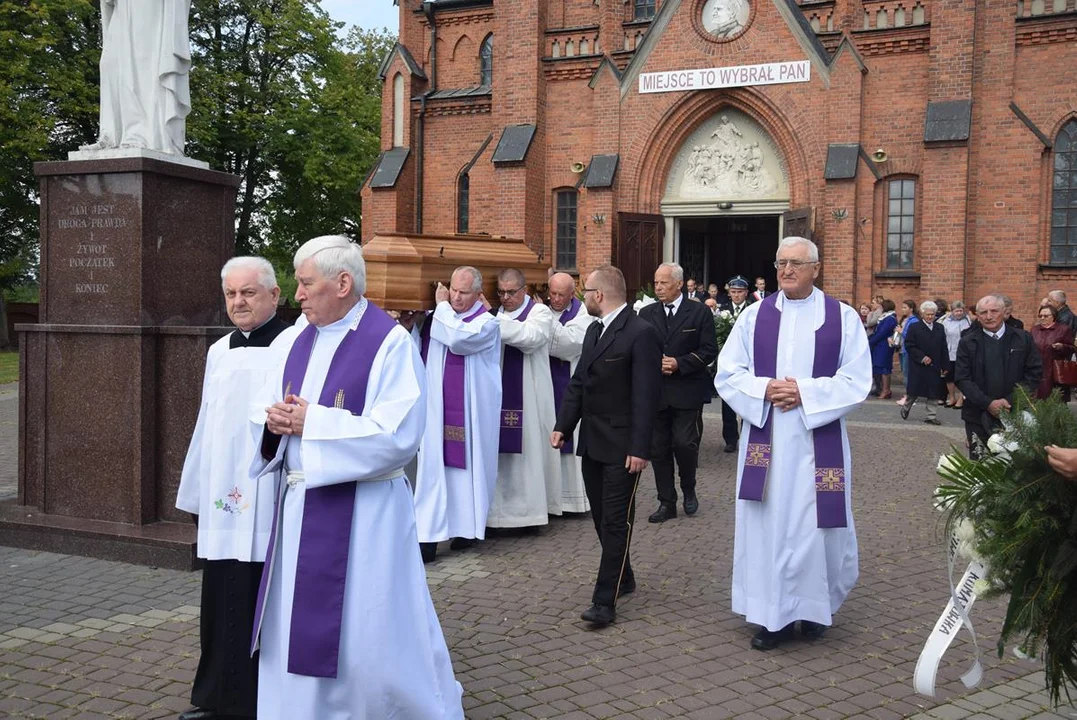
[93, 257]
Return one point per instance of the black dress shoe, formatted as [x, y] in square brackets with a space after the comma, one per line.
[905, 410]
[811, 630]
[730, 448]
[461, 543]
[663, 513]
[599, 615]
[429, 551]
[626, 589]
[198, 714]
[767, 640]
[691, 504]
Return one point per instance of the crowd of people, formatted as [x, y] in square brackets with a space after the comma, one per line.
[360, 428]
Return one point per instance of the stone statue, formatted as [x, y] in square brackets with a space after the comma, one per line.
[730, 166]
[727, 18]
[145, 60]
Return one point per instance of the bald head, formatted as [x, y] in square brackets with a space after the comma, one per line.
[610, 282]
[562, 290]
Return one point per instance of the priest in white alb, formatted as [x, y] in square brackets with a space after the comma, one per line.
[344, 620]
[794, 365]
[461, 346]
[571, 321]
[528, 469]
[233, 513]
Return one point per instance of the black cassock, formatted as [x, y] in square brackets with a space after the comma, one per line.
[227, 676]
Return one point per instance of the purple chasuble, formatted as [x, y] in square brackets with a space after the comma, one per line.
[322, 565]
[561, 370]
[829, 454]
[512, 394]
[454, 399]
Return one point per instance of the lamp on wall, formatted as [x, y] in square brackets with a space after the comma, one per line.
[598, 218]
[879, 156]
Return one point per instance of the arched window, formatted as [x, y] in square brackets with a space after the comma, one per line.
[463, 203]
[900, 223]
[486, 61]
[566, 229]
[644, 10]
[1064, 197]
[398, 110]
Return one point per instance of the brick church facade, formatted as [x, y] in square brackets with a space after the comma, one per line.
[928, 146]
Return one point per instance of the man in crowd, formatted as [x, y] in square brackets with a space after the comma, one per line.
[232, 512]
[461, 346]
[344, 618]
[992, 360]
[793, 367]
[1010, 320]
[735, 305]
[689, 345]
[760, 291]
[1064, 315]
[528, 469]
[876, 312]
[571, 321]
[694, 291]
[614, 391]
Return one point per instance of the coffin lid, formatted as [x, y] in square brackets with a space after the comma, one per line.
[402, 270]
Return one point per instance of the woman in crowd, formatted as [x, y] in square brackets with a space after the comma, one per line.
[928, 359]
[907, 319]
[954, 324]
[882, 354]
[865, 310]
[1054, 340]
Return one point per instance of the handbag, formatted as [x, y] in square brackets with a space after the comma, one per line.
[1066, 372]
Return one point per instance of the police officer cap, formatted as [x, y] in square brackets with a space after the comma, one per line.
[739, 282]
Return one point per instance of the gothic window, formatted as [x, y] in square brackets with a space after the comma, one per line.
[644, 9]
[463, 202]
[900, 221]
[1064, 197]
[398, 110]
[486, 62]
[566, 229]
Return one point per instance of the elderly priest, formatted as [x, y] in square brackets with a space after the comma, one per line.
[794, 365]
[571, 321]
[233, 512]
[344, 619]
[461, 345]
[528, 469]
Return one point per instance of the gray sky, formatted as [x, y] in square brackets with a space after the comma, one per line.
[368, 14]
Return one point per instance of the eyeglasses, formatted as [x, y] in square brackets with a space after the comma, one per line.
[795, 264]
[587, 290]
[508, 293]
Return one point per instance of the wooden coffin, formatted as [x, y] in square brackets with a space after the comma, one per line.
[403, 270]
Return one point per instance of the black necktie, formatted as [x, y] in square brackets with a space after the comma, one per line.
[669, 311]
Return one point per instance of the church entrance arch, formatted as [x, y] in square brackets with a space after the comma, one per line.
[724, 200]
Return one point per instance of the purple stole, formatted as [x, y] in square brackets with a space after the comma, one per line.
[561, 371]
[322, 565]
[424, 336]
[829, 454]
[453, 394]
[512, 394]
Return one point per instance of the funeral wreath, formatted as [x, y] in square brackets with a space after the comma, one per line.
[1012, 513]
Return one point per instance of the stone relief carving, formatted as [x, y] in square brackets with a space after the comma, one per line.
[729, 157]
[726, 18]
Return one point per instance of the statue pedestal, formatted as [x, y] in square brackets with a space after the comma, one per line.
[111, 378]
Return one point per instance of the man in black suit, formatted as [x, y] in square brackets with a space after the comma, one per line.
[738, 300]
[694, 291]
[991, 362]
[689, 345]
[615, 392]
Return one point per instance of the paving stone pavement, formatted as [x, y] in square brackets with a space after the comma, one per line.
[84, 638]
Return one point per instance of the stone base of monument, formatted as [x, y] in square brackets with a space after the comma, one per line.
[111, 378]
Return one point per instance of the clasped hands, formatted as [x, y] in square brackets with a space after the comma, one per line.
[669, 365]
[783, 394]
[288, 417]
[633, 464]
